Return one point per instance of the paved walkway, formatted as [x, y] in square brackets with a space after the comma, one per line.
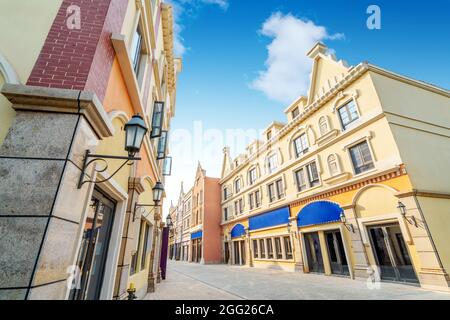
[190, 281]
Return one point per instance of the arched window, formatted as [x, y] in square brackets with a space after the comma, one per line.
[323, 125]
[333, 164]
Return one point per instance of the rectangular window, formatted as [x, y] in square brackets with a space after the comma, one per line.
[136, 50]
[225, 193]
[257, 198]
[361, 157]
[279, 254]
[133, 264]
[225, 214]
[157, 119]
[255, 249]
[348, 114]
[237, 185]
[300, 179]
[280, 189]
[236, 207]
[269, 135]
[251, 201]
[271, 190]
[269, 248]
[272, 163]
[167, 166]
[263, 249]
[162, 145]
[288, 247]
[252, 176]
[241, 205]
[301, 145]
[295, 113]
[313, 175]
[144, 249]
[140, 240]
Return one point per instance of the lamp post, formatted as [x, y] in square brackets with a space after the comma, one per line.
[135, 131]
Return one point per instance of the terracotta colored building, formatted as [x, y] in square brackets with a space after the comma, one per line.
[200, 218]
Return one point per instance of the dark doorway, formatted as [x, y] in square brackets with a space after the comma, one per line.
[94, 247]
[314, 253]
[336, 253]
[391, 254]
[226, 252]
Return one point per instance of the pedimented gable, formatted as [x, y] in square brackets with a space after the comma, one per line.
[226, 162]
[326, 71]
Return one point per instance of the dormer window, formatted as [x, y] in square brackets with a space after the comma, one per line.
[269, 135]
[295, 113]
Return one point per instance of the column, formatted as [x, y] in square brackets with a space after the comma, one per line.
[283, 249]
[130, 237]
[42, 211]
[152, 273]
[361, 263]
[249, 260]
[297, 247]
[230, 251]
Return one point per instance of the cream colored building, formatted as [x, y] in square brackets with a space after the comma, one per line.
[355, 183]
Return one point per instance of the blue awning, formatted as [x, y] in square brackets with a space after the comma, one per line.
[269, 219]
[237, 231]
[196, 235]
[319, 212]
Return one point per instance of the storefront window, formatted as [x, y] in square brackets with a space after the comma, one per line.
[269, 248]
[255, 249]
[288, 247]
[278, 248]
[263, 249]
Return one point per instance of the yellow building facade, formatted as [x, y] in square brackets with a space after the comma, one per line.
[355, 184]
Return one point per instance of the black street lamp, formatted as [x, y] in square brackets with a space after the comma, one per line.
[135, 131]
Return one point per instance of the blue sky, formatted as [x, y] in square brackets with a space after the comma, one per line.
[224, 46]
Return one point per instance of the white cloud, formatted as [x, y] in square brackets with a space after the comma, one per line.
[287, 66]
[221, 3]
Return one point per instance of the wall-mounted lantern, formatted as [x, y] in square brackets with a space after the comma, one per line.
[135, 131]
[169, 222]
[349, 226]
[158, 191]
[402, 208]
[157, 119]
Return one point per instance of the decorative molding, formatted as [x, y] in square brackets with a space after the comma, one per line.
[24, 97]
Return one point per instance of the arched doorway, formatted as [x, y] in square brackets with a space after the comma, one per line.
[322, 237]
[238, 245]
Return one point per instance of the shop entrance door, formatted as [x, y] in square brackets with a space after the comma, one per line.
[239, 252]
[314, 253]
[227, 252]
[336, 253]
[391, 254]
[94, 247]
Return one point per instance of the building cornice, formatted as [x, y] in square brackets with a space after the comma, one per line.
[25, 97]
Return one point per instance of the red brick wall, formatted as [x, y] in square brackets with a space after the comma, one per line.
[212, 240]
[80, 59]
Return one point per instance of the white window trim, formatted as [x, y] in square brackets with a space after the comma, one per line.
[367, 138]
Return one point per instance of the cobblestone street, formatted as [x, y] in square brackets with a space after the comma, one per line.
[213, 282]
